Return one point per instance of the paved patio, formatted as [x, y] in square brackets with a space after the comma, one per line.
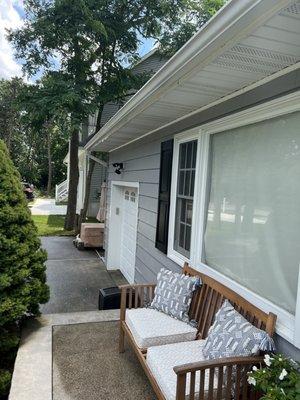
[32, 378]
[75, 278]
[47, 207]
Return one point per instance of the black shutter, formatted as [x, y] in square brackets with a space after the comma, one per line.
[166, 158]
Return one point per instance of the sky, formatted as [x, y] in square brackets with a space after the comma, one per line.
[11, 16]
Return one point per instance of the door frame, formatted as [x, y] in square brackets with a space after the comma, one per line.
[115, 220]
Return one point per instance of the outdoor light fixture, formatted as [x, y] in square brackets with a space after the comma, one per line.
[119, 167]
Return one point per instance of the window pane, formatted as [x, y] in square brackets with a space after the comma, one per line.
[253, 219]
[189, 154]
[181, 182]
[185, 193]
[187, 183]
[182, 155]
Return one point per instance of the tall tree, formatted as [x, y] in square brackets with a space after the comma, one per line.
[187, 23]
[10, 127]
[45, 112]
[91, 40]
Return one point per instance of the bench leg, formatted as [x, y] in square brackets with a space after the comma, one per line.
[121, 339]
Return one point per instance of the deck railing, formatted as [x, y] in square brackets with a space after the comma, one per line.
[61, 191]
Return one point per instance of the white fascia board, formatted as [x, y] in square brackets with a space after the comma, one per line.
[234, 21]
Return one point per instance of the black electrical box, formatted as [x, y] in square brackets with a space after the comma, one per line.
[109, 298]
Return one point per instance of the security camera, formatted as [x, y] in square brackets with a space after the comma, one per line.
[119, 167]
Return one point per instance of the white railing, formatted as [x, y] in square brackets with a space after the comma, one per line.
[61, 191]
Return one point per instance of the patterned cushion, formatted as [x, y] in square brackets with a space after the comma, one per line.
[173, 294]
[151, 328]
[162, 359]
[231, 335]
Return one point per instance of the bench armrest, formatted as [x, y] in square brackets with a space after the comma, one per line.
[135, 296]
[217, 378]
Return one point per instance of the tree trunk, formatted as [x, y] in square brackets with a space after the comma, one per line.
[73, 180]
[89, 176]
[87, 190]
[49, 183]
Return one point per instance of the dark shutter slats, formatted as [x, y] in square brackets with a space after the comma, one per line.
[166, 158]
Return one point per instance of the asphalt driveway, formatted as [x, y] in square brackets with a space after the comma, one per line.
[74, 277]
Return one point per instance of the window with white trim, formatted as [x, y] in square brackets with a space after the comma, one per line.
[184, 197]
[245, 207]
[253, 216]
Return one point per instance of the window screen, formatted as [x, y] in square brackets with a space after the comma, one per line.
[253, 218]
[185, 194]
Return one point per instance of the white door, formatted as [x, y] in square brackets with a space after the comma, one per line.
[129, 232]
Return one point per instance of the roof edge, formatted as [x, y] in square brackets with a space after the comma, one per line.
[232, 22]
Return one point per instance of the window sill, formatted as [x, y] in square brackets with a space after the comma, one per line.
[285, 326]
[177, 257]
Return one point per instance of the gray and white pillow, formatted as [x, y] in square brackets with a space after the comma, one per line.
[173, 294]
[231, 335]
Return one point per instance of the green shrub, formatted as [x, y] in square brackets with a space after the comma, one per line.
[5, 377]
[22, 261]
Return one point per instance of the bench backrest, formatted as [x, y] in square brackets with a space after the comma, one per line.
[208, 299]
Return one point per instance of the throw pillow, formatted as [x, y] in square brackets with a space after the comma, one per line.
[231, 335]
[173, 294]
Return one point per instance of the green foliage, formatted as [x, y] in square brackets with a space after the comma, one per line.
[195, 14]
[5, 378]
[89, 46]
[96, 42]
[278, 380]
[22, 269]
[24, 112]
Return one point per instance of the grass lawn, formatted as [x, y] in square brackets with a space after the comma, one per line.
[51, 225]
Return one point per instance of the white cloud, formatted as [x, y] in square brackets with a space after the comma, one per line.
[9, 19]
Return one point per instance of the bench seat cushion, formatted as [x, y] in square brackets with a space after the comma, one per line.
[152, 328]
[162, 359]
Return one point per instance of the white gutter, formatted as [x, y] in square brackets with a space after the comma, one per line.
[233, 22]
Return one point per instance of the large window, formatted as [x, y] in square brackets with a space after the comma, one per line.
[253, 219]
[184, 197]
[235, 206]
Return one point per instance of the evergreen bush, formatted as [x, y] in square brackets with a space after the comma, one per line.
[22, 264]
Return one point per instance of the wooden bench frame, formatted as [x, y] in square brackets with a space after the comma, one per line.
[205, 303]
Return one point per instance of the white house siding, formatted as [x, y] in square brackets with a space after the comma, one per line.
[141, 164]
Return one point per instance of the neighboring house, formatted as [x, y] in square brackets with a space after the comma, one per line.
[211, 153]
[149, 64]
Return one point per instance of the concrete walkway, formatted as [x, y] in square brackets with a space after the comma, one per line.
[32, 378]
[75, 278]
[47, 207]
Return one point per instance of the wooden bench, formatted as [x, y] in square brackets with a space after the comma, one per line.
[205, 303]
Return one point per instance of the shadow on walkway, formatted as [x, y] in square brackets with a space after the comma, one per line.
[75, 277]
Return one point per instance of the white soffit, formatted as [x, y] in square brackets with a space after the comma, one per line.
[244, 43]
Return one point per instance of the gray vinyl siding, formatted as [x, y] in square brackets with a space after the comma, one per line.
[151, 64]
[141, 164]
